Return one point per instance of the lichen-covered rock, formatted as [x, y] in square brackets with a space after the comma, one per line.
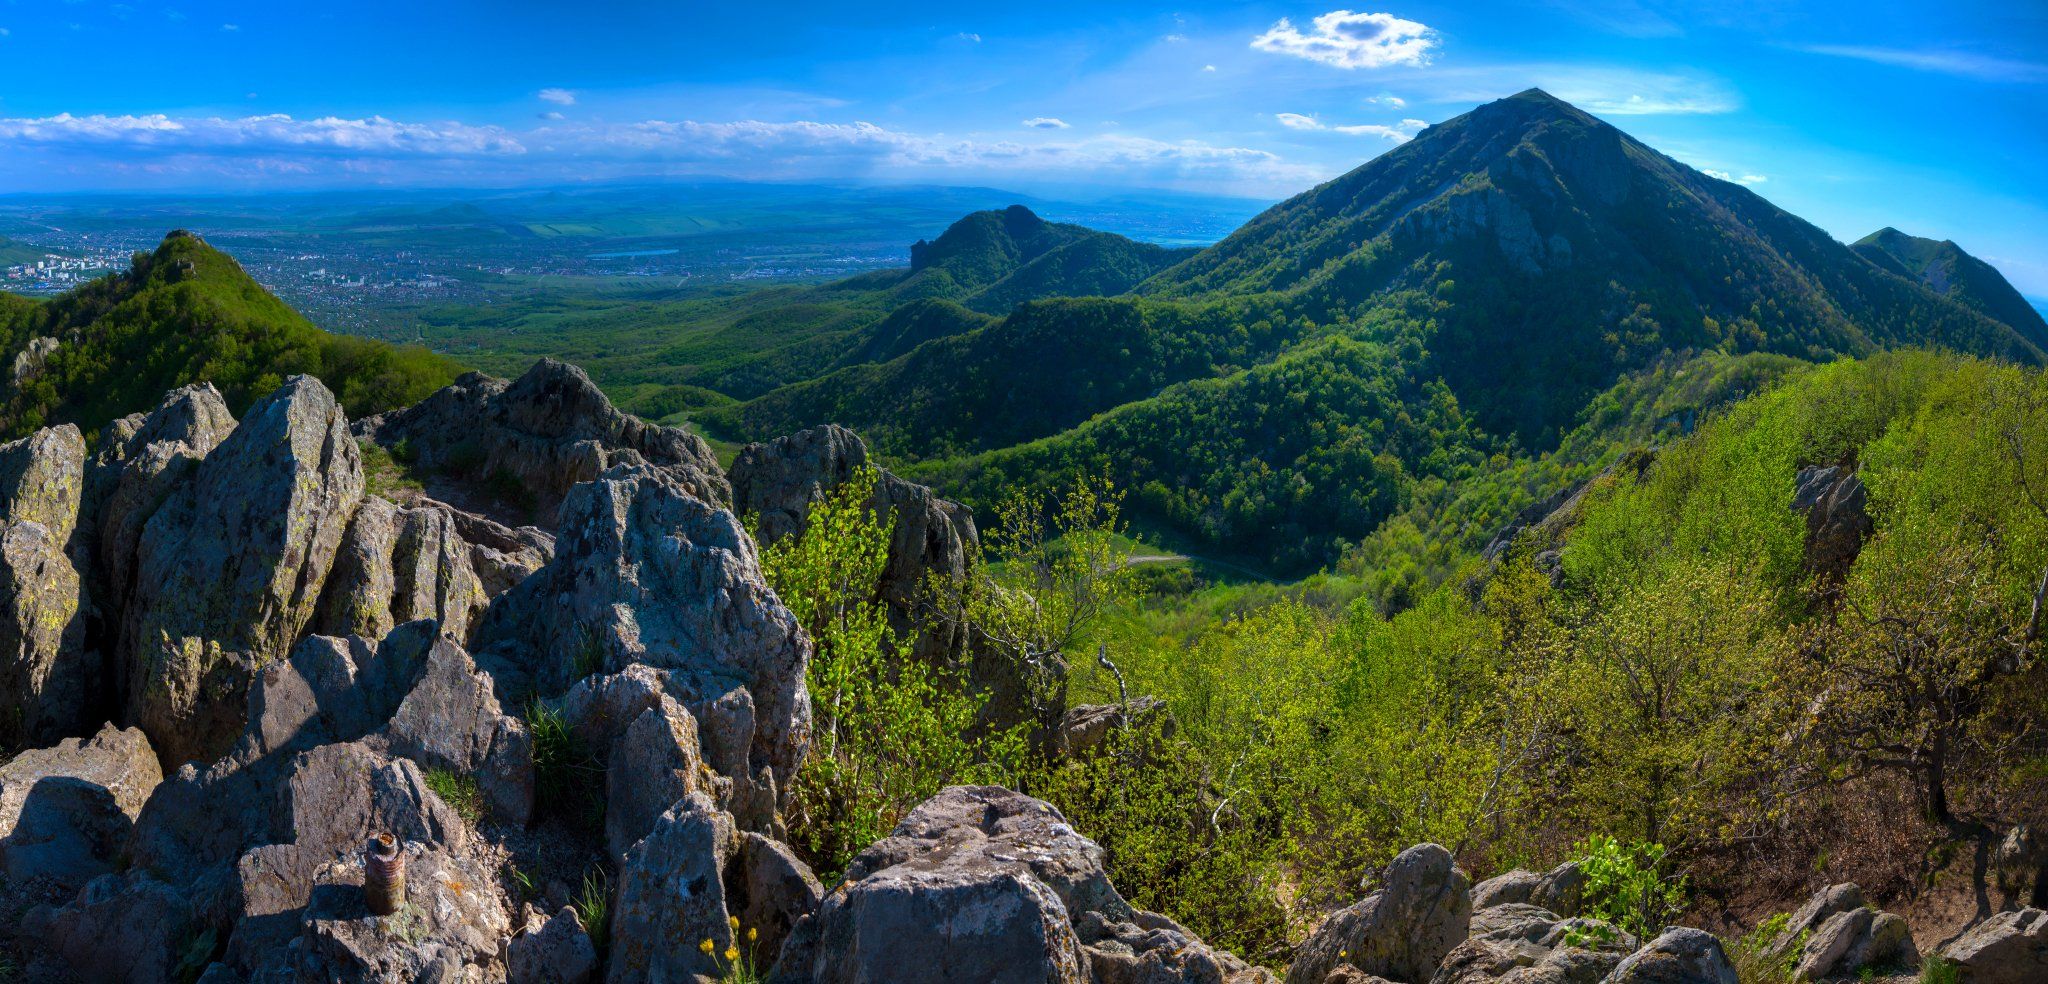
[1152, 949]
[1556, 890]
[544, 433]
[1507, 888]
[2008, 948]
[1422, 910]
[47, 679]
[1517, 943]
[67, 813]
[143, 458]
[653, 765]
[1847, 942]
[671, 895]
[552, 950]
[1679, 956]
[1085, 728]
[229, 569]
[646, 573]
[401, 563]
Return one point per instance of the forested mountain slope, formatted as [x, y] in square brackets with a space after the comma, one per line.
[1947, 270]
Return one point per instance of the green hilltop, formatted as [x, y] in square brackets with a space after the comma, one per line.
[187, 313]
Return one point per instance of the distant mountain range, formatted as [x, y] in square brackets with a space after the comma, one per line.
[1286, 391]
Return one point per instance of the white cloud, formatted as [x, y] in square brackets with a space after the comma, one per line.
[1963, 63]
[1395, 101]
[552, 115]
[969, 36]
[560, 97]
[1747, 179]
[227, 27]
[1046, 123]
[161, 148]
[1176, 38]
[1208, 68]
[276, 132]
[1350, 40]
[1399, 133]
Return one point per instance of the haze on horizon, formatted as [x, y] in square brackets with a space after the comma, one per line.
[1852, 115]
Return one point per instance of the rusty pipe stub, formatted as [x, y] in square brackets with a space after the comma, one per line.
[384, 874]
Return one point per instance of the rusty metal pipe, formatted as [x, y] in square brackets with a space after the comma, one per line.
[383, 874]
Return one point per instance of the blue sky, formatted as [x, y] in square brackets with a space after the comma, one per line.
[1929, 117]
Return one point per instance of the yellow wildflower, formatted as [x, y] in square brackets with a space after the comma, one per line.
[705, 946]
[753, 934]
[732, 953]
[733, 921]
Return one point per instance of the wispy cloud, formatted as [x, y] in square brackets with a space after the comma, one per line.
[1046, 123]
[1352, 40]
[1746, 179]
[334, 149]
[1395, 101]
[1946, 62]
[1399, 132]
[560, 97]
[231, 27]
[969, 37]
[270, 134]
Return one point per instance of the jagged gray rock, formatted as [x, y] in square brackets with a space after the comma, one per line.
[452, 720]
[47, 679]
[66, 813]
[646, 573]
[982, 883]
[1806, 920]
[229, 569]
[142, 458]
[775, 890]
[1836, 507]
[552, 950]
[672, 894]
[1556, 890]
[126, 927]
[1848, 942]
[2008, 948]
[1087, 727]
[117, 760]
[544, 432]
[1679, 956]
[1402, 932]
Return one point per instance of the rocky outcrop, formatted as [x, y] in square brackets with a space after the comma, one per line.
[646, 573]
[2008, 948]
[1557, 890]
[981, 883]
[535, 438]
[1517, 943]
[1422, 910]
[1836, 933]
[29, 362]
[142, 458]
[776, 483]
[452, 720]
[1085, 728]
[1679, 956]
[229, 569]
[1837, 513]
[47, 679]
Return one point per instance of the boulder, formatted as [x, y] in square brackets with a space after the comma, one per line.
[653, 764]
[1806, 920]
[553, 950]
[1679, 956]
[117, 760]
[1517, 943]
[67, 814]
[48, 682]
[646, 573]
[2008, 948]
[982, 883]
[1836, 507]
[671, 895]
[1086, 727]
[1848, 942]
[1402, 931]
[2021, 863]
[1557, 890]
[229, 569]
[530, 441]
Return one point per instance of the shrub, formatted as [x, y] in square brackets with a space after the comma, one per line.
[1627, 886]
